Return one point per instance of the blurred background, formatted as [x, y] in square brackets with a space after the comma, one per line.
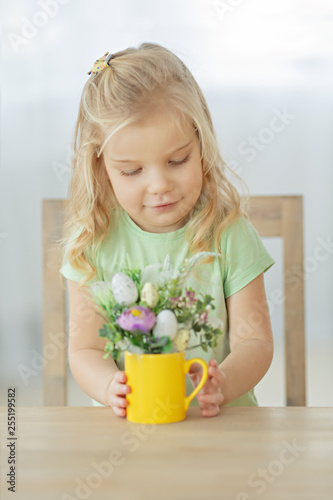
[254, 60]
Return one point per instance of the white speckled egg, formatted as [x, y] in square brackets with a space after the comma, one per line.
[149, 294]
[124, 289]
[166, 324]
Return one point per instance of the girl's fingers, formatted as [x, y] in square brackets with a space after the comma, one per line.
[120, 389]
[120, 412]
[118, 377]
[118, 384]
[217, 375]
[214, 364]
[195, 368]
[215, 382]
[212, 411]
[118, 401]
[214, 398]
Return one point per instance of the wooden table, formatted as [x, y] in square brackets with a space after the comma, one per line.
[68, 453]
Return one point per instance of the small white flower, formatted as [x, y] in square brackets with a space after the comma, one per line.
[151, 274]
[215, 322]
[124, 344]
[135, 349]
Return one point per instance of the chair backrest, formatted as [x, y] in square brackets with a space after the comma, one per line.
[283, 216]
[278, 216]
[54, 307]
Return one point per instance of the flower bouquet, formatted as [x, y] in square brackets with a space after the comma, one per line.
[149, 311]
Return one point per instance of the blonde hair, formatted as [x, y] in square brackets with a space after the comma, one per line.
[136, 83]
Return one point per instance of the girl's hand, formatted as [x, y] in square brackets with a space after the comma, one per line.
[210, 397]
[116, 394]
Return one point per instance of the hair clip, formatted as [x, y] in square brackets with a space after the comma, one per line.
[100, 64]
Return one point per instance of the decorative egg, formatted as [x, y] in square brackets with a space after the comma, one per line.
[124, 289]
[166, 324]
[181, 340]
[149, 294]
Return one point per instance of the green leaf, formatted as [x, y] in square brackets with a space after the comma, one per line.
[103, 332]
[116, 354]
[168, 346]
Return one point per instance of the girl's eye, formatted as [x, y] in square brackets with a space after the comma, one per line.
[130, 173]
[180, 162]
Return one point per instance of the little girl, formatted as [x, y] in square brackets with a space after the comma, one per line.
[148, 181]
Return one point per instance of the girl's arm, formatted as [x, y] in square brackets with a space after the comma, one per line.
[85, 348]
[251, 340]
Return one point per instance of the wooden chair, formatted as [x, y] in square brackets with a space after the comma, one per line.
[272, 216]
[54, 307]
[283, 216]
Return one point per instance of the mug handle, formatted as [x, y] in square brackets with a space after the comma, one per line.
[202, 382]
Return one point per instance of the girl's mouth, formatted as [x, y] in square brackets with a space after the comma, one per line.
[165, 207]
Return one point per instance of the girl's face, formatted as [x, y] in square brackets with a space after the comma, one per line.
[156, 172]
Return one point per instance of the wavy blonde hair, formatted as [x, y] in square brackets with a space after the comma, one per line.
[137, 82]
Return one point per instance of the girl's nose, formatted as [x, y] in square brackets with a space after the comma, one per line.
[159, 183]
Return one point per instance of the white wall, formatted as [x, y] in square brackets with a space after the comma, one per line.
[252, 62]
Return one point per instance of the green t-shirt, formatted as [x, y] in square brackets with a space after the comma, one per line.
[245, 257]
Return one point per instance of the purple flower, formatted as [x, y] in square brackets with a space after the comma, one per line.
[137, 318]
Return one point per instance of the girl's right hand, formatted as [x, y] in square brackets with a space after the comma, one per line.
[116, 394]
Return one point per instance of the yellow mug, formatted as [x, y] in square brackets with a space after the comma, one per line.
[158, 386]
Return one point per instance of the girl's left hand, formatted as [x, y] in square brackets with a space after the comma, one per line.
[210, 397]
